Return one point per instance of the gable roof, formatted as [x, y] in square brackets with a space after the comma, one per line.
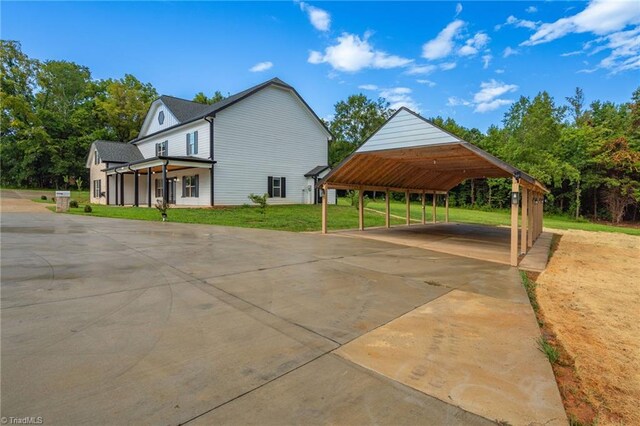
[117, 152]
[187, 111]
[410, 152]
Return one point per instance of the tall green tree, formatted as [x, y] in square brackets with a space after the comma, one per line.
[354, 120]
[201, 98]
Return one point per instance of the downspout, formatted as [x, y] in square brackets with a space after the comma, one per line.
[211, 174]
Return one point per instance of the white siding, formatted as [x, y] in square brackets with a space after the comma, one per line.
[95, 173]
[406, 130]
[270, 133]
[177, 141]
[151, 124]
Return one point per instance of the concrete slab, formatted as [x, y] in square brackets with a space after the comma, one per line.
[538, 256]
[476, 352]
[342, 393]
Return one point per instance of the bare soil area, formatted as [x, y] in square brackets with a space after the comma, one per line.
[589, 298]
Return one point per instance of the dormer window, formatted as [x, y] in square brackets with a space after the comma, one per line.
[161, 117]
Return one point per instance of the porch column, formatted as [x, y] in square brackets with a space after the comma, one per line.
[434, 219]
[446, 208]
[530, 219]
[107, 185]
[325, 191]
[424, 211]
[164, 183]
[524, 227]
[149, 187]
[361, 209]
[407, 196]
[387, 211]
[136, 187]
[211, 186]
[541, 211]
[515, 188]
[115, 179]
[122, 189]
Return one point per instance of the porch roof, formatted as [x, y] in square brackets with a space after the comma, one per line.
[155, 164]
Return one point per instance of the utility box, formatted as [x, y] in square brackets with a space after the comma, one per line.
[62, 201]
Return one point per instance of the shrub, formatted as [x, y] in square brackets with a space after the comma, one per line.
[260, 201]
[73, 204]
[354, 198]
[88, 209]
[162, 206]
[43, 197]
[53, 199]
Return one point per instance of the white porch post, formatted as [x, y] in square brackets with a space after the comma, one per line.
[324, 208]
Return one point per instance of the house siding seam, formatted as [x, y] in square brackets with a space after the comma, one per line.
[267, 134]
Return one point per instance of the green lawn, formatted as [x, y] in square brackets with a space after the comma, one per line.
[495, 217]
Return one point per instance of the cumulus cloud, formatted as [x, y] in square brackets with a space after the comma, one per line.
[474, 44]
[400, 97]
[486, 60]
[421, 69]
[446, 66]
[443, 44]
[319, 18]
[368, 87]
[261, 66]
[519, 23]
[458, 9]
[600, 17]
[508, 51]
[531, 9]
[488, 98]
[352, 53]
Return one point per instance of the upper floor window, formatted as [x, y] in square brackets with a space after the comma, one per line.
[161, 117]
[96, 158]
[192, 143]
[161, 148]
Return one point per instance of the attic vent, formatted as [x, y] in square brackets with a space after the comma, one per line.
[161, 117]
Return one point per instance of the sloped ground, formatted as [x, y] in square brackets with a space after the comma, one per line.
[590, 297]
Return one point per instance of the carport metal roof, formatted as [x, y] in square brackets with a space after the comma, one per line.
[410, 153]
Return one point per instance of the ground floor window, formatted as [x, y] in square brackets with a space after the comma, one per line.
[159, 188]
[97, 188]
[190, 186]
[277, 187]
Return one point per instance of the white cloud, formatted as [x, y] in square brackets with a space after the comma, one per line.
[261, 66]
[486, 60]
[458, 8]
[574, 53]
[531, 9]
[624, 51]
[499, 71]
[446, 66]
[399, 97]
[519, 23]
[368, 87]
[474, 44]
[509, 52]
[351, 53]
[600, 17]
[443, 44]
[421, 69]
[426, 82]
[319, 18]
[488, 98]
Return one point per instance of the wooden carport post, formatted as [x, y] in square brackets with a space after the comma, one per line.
[530, 217]
[387, 212]
[407, 196]
[446, 208]
[324, 208]
[515, 188]
[434, 207]
[361, 209]
[424, 213]
[524, 227]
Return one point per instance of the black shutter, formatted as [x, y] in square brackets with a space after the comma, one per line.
[270, 186]
[283, 187]
[188, 148]
[197, 186]
[195, 142]
[184, 186]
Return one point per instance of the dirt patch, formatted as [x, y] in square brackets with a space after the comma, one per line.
[589, 297]
[13, 202]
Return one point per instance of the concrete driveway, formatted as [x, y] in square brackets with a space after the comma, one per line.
[111, 321]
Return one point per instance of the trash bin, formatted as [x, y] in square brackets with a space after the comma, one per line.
[62, 201]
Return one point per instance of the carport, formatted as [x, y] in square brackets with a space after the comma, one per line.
[412, 155]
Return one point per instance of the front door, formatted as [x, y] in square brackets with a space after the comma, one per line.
[171, 191]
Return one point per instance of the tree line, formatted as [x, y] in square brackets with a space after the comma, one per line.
[587, 155]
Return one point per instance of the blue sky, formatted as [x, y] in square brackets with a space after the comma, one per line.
[466, 60]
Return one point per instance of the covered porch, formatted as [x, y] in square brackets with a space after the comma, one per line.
[181, 181]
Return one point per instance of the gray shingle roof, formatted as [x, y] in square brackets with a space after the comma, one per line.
[183, 109]
[117, 152]
[316, 171]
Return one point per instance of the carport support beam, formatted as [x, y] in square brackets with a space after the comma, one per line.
[407, 196]
[530, 219]
[515, 188]
[424, 213]
[361, 209]
[524, 227]
[435, 199]
[324, 208]
[387, 211]
[446, 207]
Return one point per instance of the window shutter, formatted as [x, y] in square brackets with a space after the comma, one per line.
[184, 185]
[197, 186]
[283, 187]
[195, 142]
[188, 144]
[270, 186]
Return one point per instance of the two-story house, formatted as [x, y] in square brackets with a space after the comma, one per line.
[265, 139]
